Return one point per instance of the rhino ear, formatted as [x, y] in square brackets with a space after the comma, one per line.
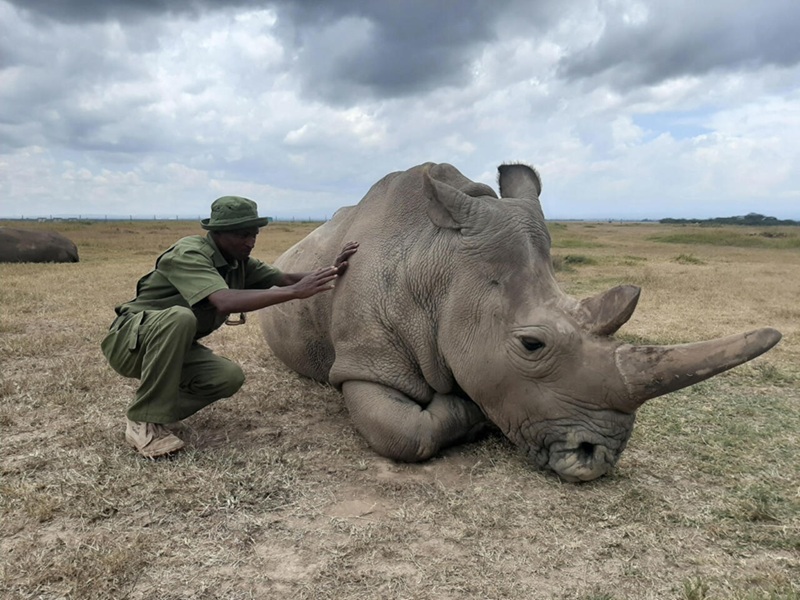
[448, 207]
[606, 312]
[519, 181]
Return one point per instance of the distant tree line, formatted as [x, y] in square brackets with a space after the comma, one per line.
[750, 219]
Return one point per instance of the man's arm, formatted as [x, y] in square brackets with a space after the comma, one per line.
[291, 286]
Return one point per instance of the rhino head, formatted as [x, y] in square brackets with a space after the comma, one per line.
[542, 365]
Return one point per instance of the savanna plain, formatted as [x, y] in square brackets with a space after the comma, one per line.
[277, 496]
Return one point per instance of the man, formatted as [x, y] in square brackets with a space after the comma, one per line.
[195, 286]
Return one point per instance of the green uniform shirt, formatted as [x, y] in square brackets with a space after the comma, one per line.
[190, 271]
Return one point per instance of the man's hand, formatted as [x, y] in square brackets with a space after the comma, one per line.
[341, 263]
[318, 281]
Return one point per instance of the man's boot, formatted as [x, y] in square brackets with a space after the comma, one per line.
[152, 439]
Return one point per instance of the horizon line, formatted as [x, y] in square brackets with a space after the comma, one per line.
[318, 218]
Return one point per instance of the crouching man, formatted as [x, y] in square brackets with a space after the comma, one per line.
[193, 289]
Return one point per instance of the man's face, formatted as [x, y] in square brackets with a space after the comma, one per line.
[237, 244]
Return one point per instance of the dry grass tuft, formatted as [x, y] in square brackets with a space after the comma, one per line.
[278, 497]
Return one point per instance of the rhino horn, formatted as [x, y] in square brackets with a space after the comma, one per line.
[605, 313]
[650, 371]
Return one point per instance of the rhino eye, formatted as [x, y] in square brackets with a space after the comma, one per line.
[531, 344]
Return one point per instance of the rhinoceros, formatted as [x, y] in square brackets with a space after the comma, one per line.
[449, 316]
[25, 245]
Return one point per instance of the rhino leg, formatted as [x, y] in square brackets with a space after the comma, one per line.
[397, 427]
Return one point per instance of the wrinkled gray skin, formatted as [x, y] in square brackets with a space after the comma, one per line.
[23, 245]
[449, 315]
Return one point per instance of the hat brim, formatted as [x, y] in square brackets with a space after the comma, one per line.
[234, 224]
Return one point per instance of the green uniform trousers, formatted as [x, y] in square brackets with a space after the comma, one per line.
[177, 375]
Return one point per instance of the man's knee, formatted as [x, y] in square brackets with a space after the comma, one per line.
[176, 324]
[233, 378]
[181, 318]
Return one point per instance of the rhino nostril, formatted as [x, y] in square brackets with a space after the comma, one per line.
[585, 450]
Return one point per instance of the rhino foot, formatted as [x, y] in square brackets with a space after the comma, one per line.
[398, 427]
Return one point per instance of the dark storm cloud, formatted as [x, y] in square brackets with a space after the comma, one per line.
[83, 11]
[679, 38]
[386, 49]
[341, 51]
[59, 77]
[350, 50]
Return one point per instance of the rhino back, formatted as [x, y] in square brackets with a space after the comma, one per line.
[23, 245]
[298, 331]
[379, 322]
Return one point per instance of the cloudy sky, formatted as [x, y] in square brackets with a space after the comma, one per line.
[628, 109]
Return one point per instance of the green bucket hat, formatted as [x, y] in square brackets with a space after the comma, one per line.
[233, 212]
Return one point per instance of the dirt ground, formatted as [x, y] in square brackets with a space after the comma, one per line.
[277, 496]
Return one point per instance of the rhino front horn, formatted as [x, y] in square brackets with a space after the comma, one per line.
[650, 371]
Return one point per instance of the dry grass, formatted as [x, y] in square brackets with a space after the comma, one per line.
[278, 497]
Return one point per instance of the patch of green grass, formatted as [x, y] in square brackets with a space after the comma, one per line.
[761, 503]
[630, 260]
[695, 588]
[771, 374]
[559, 266]
[688, 259]
[767, 373]
[575, 243]
[567, 264]
[579, 259]
[728, 237]
[639, 340]
[776, 594]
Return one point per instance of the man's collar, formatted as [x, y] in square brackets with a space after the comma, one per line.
[219, 258]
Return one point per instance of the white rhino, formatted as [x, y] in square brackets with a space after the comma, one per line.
[449, 315]
[27, 245]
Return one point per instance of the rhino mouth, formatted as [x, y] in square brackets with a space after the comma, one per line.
[582, 462]
[576, 449]
[578, 453]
